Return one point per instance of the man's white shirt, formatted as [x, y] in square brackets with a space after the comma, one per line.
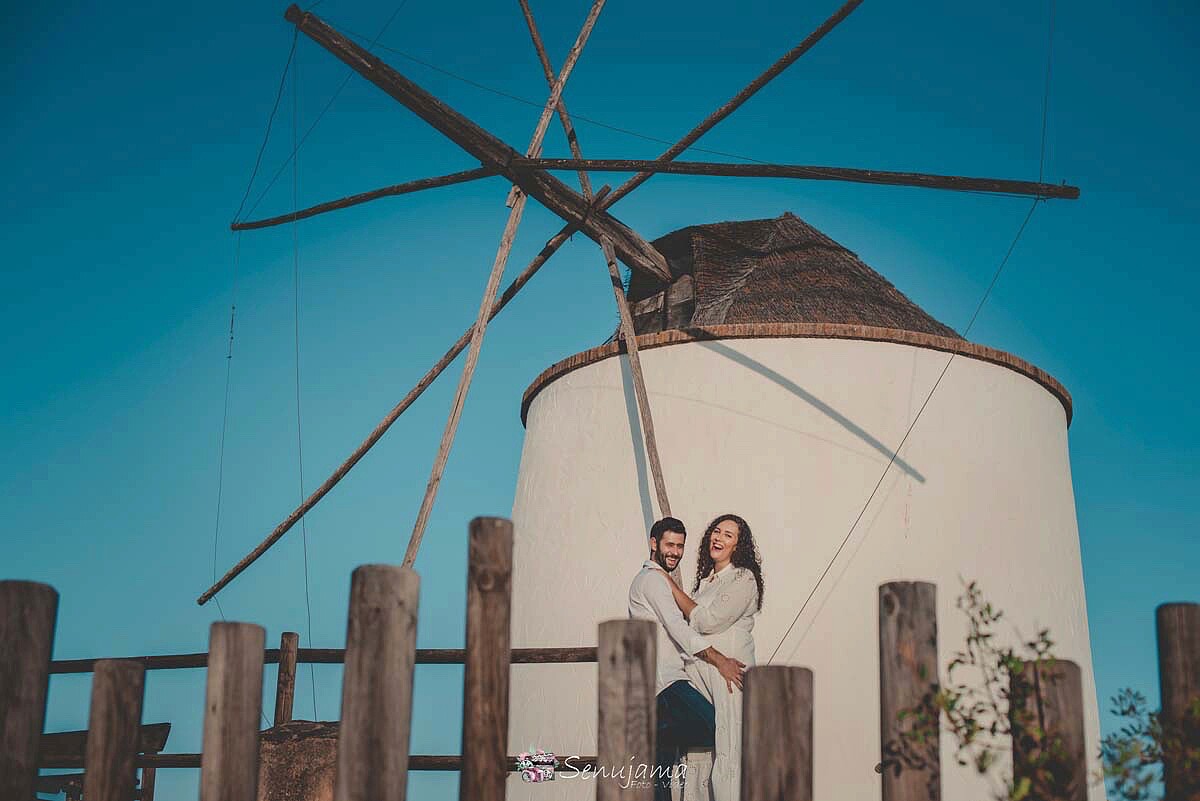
[651, 599]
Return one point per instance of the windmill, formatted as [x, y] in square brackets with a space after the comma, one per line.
[585, 211]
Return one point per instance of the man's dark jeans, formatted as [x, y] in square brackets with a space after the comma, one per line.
[685, 720]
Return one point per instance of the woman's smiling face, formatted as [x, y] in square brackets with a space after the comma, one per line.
[722, 542]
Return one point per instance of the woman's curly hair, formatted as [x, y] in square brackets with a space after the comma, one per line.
[745, 554]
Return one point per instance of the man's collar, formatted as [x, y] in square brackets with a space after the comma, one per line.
[650, 563]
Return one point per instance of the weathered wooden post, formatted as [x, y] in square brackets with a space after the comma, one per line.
[1179, 683]
[777, 734]
[488, 654]
[114, 726]
[285, 683]
[1046, 713]
[908, 681]
[626, 655]
[27, 615]
[232, 708]
[381, 642]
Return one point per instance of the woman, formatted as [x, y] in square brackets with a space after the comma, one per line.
[727, 595]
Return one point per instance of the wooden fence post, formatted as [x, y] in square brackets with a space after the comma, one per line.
[1179, 683]
[114, 728]
[381, 642]
[488, 653]
[777, 734]
[626, 665]
[232, 708]
[908, 682]
[285, 683]
[1048, 696]
[27, 615]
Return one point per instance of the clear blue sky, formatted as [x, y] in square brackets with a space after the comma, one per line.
[129, 134]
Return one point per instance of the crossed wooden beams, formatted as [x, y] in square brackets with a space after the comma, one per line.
[586, 212]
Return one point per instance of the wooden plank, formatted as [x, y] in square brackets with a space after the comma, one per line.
[548, 190]
[232, 708]
[27, 615]
[626, 728]
[1179, 682]
[523, 278]
[365, 197]
[152, 737]
[285, 683]
[628, 332]
[1047, 730]
[485, 679]
[777, 734]
[956, 183]
[335, 656]
[908, 682]
[489, 296]
[381, 638]
[149, 777]
[114, 729]
[421, 762]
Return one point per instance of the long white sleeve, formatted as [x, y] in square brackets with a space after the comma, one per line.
[658, 597]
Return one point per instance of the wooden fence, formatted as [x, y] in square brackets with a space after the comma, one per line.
[379, 658]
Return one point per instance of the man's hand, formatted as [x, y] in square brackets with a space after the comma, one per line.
[730, 669]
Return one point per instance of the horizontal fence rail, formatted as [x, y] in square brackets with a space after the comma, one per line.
[334, 656]
[422, 762]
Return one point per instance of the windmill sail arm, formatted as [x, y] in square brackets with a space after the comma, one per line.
[491, 151]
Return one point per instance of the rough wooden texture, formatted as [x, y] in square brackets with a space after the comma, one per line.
[625, 733]
[805, 172]
[614, 276]
[777, 734]
[114, 728]
[285, 683]
[27, 615]
[1054, 705]
[800, 330]
[489, 296]
[152, 738]
[548, 190]
[908, 681]
[149, 779]
[523, 278]
[485, 679]
[232, 709]
[364, 197]
[381, 638]
[422, 762]
[1179, 681]
[298, 761]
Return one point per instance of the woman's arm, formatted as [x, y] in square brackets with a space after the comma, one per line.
[738, 596]
[685, 604]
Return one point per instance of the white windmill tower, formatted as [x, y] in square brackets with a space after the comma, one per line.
[783, 371]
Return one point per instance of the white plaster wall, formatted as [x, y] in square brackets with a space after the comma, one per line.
[793, 434]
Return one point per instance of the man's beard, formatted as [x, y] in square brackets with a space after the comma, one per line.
[662, 562]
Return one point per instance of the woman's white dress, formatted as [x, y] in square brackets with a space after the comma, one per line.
[726, 605]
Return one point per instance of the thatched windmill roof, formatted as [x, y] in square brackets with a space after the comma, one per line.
[779, 270]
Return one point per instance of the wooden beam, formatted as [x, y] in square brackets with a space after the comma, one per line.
[377, 688]
[908, 681]
[152, 737]
[1178, 626]
[28, 611]
[424, 762]
[114, 724]
[489, 295]
[364, 197]
[1048, 741]
[796, 171]
[285, 681]
[485, 678]
[548, 190]
[523, 278]
[232, 708]
[626, 728]
[628, 333]
[777, 734]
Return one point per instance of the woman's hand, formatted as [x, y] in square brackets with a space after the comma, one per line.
[685, 604]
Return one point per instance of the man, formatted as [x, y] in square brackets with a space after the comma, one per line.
[685, 717]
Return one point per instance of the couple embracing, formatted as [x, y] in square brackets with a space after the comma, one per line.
[704, 646]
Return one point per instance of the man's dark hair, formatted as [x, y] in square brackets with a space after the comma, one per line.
[665, 525]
